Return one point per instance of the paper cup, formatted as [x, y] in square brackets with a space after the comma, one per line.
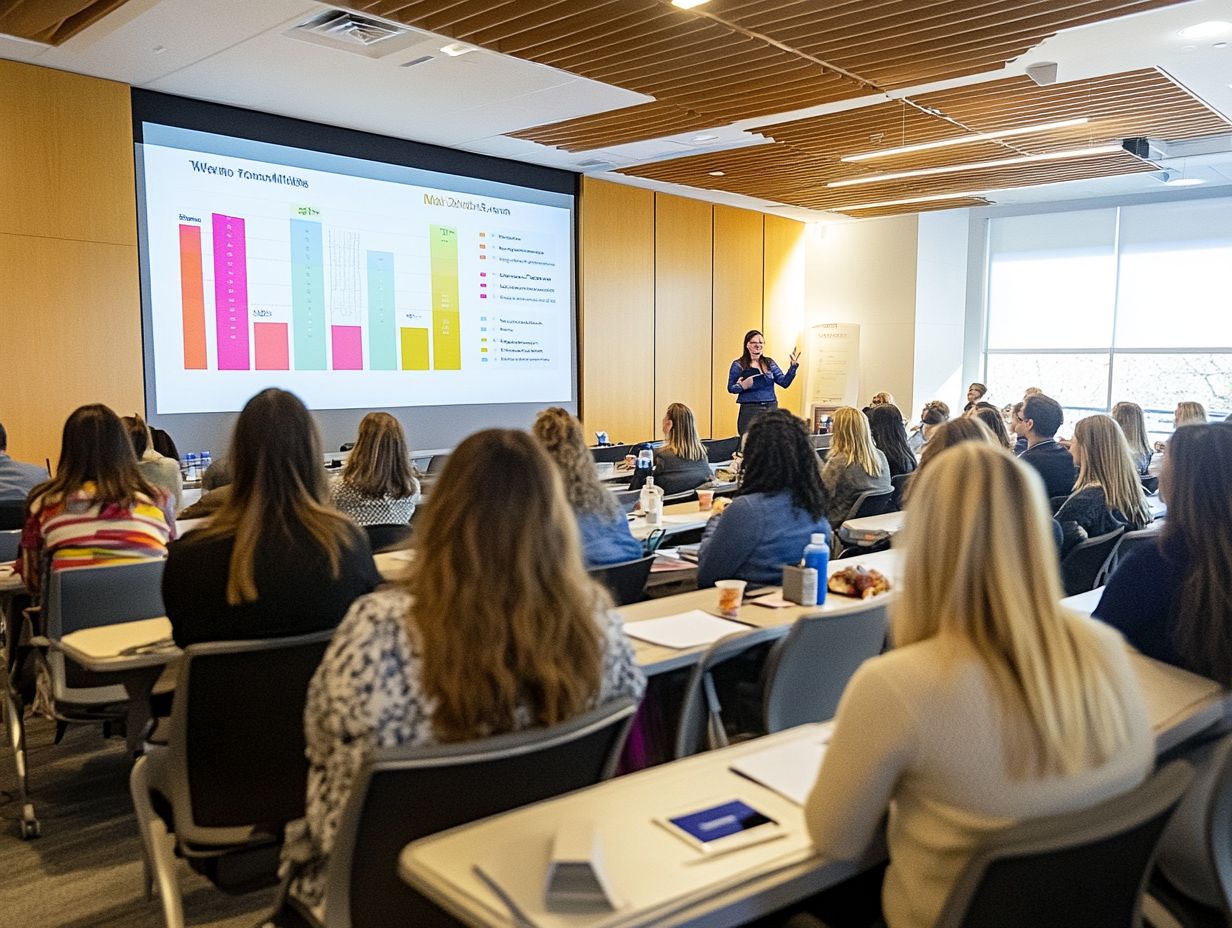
[705, 499]
[731, 592]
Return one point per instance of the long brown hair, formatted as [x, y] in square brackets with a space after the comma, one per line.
[502, 606]
[94, 448]
[278, 490]
[746, 359]
[682, 439]
[1197, 485]
[380, 464]
[1104, 461]
[561, 436]
[1130, 418]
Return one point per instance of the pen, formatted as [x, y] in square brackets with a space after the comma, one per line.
[515, 910]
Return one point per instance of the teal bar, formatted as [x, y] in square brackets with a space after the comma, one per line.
[382, 333]
[308, 295]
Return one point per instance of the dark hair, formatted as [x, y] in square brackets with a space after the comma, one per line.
[886, 423]
[136, 434]
[935, 413]
[1044, 412]
[1197, 485]
[778, 456]
[94, 448]
[4, 438]
[163, 444]
[979, 386]
[991, 417]
[746, 360]
[980, 404]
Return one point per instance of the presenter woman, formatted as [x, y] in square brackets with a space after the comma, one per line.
[752, 378]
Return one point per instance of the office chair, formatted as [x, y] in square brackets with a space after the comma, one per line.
[625, 581]
[1081, 567]
[388, 537]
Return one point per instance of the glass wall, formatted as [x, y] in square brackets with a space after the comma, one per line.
[1098, 306]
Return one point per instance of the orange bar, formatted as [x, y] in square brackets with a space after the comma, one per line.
[192, 296]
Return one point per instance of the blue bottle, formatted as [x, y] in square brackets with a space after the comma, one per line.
[817, 556]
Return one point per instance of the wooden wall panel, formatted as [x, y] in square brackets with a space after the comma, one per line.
[617, 312]
[738, 246]
[683, 297]
[66, 156]
[70, 312]
[784, 300]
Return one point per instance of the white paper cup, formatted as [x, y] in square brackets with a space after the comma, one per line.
[705, 499]
[731, 592]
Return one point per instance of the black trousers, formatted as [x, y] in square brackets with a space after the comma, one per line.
[750, 413]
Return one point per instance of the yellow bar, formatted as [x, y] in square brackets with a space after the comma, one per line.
[446, 321]
[414, 349]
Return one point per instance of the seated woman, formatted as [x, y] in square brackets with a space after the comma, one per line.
[996, 705]
[97, 508]
[276, 559]
[885, 422]
[497, 628]
[992, 418]
[1108, 492]
[680, 463]
[932, 415]
[606, 538]
[854, 466]
[1130, 418]
[377, 486]
[779, 505]
[160, 471]
[1187, 412]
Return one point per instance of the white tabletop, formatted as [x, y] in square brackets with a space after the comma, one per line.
[890, 523]
[1159, 509]
[677, 517]
[10, 581]
[392, 565]
[103, 649]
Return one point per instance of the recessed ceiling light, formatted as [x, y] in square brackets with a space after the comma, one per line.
[1220, 45]
[717, 173]
[456, 49]
[688, 4]
[907, 201]
[705, 138]
[965, 139]
[975, 165]
[1206, 30]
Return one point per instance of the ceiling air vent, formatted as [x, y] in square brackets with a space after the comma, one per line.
[354, 32]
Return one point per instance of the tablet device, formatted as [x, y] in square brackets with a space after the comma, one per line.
[723, 826]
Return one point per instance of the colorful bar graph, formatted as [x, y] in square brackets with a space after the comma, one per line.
[270, 346]
[192, 298]
[446, 319]
[414, 349]
[348, 347]
[231, 292]
[308, 295]
[382, 344]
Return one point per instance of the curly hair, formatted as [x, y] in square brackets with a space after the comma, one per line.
[778, 456]
[561, 436]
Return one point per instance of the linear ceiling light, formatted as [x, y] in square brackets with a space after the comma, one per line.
[906, 201]
[976, 165]
[966, 139]
[688, 4]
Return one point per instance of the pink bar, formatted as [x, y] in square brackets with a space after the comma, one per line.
[348, 347]
[271, 346]
[231, 292]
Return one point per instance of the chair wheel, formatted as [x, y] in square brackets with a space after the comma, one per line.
[30, 827]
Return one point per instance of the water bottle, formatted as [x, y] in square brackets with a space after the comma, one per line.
[205, 462]
[651, 500]
[817, 556]
[192, 472]
[645, 461]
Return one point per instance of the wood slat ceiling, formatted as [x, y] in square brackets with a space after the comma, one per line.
[734, 59]
[805, 154]
[51, 21]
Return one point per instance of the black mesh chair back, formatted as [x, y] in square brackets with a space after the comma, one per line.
[625, 581]
[346, 446]
[1219, 832]
[871, 503]
[387, 537]
[684, 496]
[719, 450]
[1080, 868]
[1150, 483]
[1056, 502]
[899, 485]
[436, 463]
[807, 671]
[239, 716]
[12, 514]
[1081, 567]
[1129, 543]
[612, 454]
[627, 499]
[405, 794]
[10, 542]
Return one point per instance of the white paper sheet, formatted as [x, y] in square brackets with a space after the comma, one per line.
[789, 769]
[690, 629]
[682, 518]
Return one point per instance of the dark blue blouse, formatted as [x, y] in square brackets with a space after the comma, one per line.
[762, 390]
[1139, 602]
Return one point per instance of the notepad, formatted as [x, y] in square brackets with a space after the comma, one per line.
[690, 629]
[789, 769]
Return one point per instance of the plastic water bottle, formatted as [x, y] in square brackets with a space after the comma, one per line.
[192, 472]
[817, 556]
[205, 462]
[645, 461]
[651, 501]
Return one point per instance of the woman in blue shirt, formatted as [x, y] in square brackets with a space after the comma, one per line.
[780, 504]
[752, 378]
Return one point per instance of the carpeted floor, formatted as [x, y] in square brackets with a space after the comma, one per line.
[85, 872]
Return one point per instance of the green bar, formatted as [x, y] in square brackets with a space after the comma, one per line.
[382, 348]
[308, 295]
[446, 321]
[414, 349]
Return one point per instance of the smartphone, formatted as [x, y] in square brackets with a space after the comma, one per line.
[722, 827]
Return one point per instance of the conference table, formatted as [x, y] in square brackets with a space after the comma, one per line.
[676, 518]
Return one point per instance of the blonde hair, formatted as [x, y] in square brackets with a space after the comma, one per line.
[561, 436]
[981, 571]
[1104, 461]
[884, 398]
[1130, 418]
[682, 439]
[1189, 412]
[853, 440]
[950, 433]
[380, 464]
[503, 608]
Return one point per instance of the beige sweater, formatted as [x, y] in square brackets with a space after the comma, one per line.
[918, 732]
